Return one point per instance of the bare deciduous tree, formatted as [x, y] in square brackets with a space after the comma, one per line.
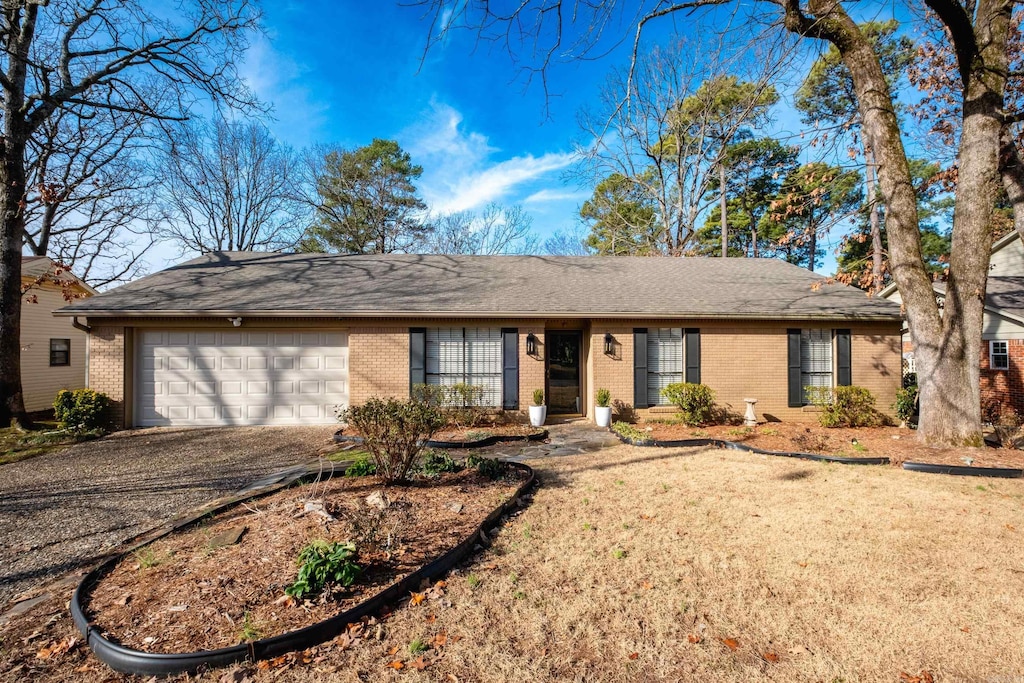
[495, 230]
[89, 203]
[96, 55]
[663, 124]
[230, 186]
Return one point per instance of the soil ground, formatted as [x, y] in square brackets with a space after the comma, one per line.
[897, 444]
[181, 595]
[642, 564]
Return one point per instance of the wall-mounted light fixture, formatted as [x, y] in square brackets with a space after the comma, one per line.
[609, 344]
[237, 322]
[531, 344]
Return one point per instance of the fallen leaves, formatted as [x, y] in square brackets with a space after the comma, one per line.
[417, 598]
[922, 677]
[419, 663]
[695, 639]
[730, 643]
[396, 665]
[770, 657]
[57, 648]
[634, 655]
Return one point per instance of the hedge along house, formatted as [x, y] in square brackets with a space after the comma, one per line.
[262, 338]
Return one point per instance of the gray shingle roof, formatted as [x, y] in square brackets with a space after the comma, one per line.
[1004, 294]
[525, 286]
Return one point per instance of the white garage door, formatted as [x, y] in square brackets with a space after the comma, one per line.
[193, 377]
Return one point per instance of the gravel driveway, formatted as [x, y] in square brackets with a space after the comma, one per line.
[62, 510]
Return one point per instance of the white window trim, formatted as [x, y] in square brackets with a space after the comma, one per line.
[992, 355]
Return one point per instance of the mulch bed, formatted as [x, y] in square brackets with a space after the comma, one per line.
[180, 595]
[898, 444]
[456, 434]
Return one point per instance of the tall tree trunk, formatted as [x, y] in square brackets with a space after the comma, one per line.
[12, 226]
[947, 344]
[722, 207]
[874, 220]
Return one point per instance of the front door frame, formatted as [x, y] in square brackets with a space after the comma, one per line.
[580, 365]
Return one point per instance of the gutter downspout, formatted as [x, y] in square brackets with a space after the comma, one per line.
[88, 343]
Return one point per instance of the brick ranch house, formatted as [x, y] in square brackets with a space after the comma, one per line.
[266, 338]
[1002, 337]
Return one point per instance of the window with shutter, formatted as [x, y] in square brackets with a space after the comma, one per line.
[664, 361]
[466, 355]
[815, 360]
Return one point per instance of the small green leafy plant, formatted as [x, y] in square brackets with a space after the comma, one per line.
[322, 563]
[417, 646]
[473, 580]
[434, 463]
[362, 467]
[81, 410]
[250, 631]
[628, 431]
[538, 397]
[604, 398]
[696, 402]
[488, 467]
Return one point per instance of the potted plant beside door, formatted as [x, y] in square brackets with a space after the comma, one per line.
[603, 411]
[538, 411]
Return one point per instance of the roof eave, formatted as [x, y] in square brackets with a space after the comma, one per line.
[232, 313]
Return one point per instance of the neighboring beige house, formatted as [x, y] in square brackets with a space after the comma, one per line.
[261, 338]
[53, 352]
[1002, 336]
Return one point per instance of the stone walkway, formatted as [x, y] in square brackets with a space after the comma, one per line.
[565, 438]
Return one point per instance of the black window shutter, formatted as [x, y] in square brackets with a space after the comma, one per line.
[417, 356]
[796, 392]
[510, 368]
[844, 369]
[692, 349]
[640, 367]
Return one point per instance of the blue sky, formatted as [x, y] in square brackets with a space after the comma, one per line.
[346, 72]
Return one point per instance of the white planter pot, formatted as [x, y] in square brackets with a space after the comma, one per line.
[603, 415]
[537, 415]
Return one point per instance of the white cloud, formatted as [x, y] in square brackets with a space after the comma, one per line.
[459, 170]
[284, 83]
[548, 195]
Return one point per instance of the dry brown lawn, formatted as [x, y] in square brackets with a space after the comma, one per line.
[811, 572]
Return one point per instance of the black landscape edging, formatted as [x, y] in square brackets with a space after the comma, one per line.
[964, 471]
[131, 661]
[732, 445]
[480, 443]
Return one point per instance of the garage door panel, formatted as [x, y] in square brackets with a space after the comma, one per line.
[190, 377]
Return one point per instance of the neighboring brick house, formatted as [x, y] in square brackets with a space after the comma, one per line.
[53, 355]
[256, 338]
[1002, 337]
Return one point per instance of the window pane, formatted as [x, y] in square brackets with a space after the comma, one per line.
[664, 361]
[471, 355]
[815, 360]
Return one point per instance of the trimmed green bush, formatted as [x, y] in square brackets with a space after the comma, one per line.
[538, 397]
[846, 407]
[604, 398]
[393, 432]
[696, 402]
[906, 403]
[81, 410]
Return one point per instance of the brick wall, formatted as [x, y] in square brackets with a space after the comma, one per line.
[1002, 391]
[742, 360]
[531, 368]
[378, 363]
[107, 367]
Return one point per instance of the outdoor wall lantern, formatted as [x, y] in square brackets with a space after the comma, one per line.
[609, 344]
[531, 345]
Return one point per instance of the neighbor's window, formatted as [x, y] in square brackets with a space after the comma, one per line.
[467, 355]
[60, 352]
[998, 355]
[815, 360]
[664, 361]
